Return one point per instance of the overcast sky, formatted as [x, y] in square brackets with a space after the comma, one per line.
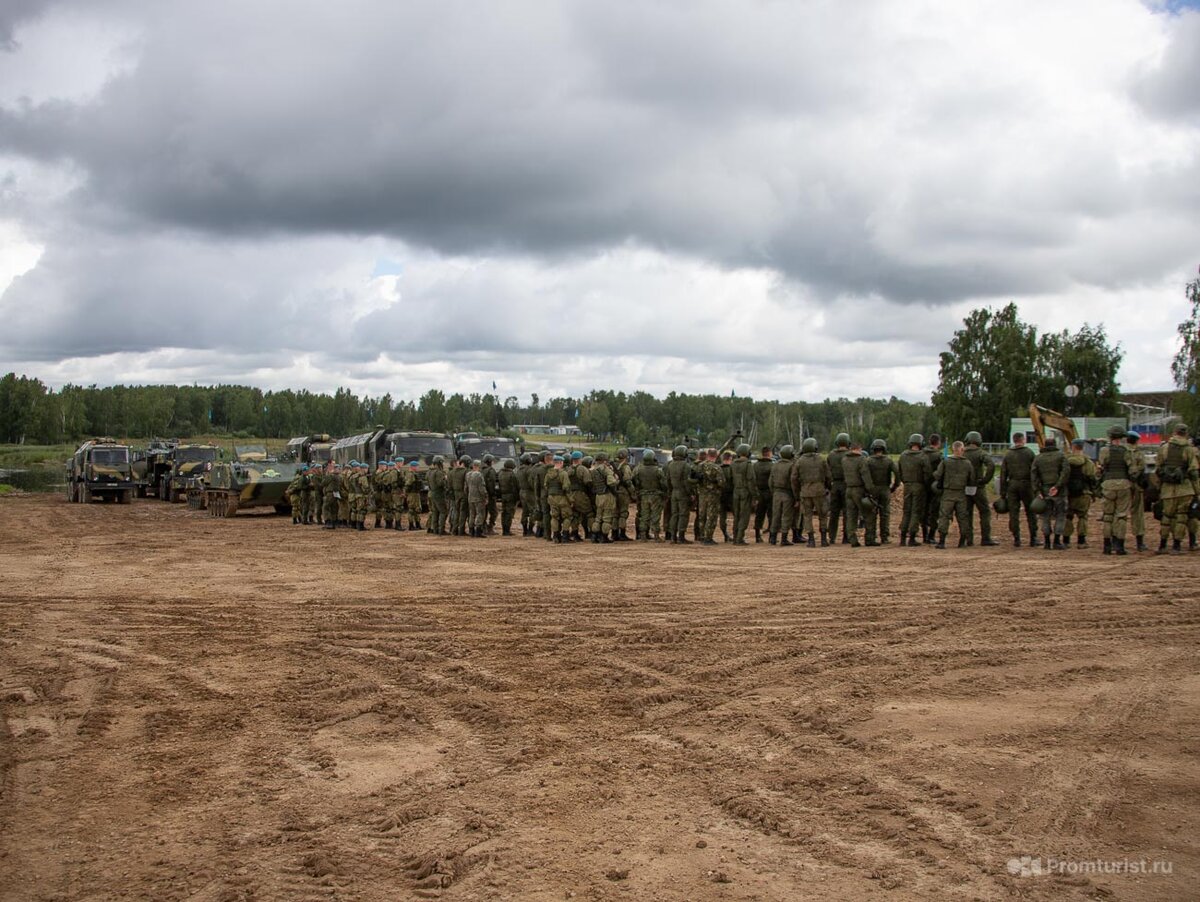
[786, 199]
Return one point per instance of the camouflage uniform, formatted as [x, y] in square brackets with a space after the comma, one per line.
[916, 473]
[624, 494]
[837, 494]
[711, 481]
[508, 490]
[885, 479]
[741, 477]
[979, 504]
[1016, 487]
[933, 501]
[382, 484]
[343, 507]
[439, 510]
[650, 480]
[811, 479]
[783, 501]
[537, 480]
[525, 492]
[762, 486]
[557, 482]
[858, 480]
[581, 502]
[604, 486]
[316, 507]
[477, 497]
[678, 472]
[295, 494]
[954, 476]
[332, 488]
[1081, 484]
[491, 481]
[458, 499]
[1050, 482]
[1119, 468]
[1179, 483]
[413, 483]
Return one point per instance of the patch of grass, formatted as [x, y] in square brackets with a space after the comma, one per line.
[22, 457]
[6, 489]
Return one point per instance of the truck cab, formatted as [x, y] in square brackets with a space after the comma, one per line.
[100, 468]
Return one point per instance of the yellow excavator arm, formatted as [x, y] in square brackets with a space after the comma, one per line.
[1044, 417]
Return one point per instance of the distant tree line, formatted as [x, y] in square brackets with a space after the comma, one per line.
[31, 412]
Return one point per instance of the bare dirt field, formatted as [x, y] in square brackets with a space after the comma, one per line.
[243, 709]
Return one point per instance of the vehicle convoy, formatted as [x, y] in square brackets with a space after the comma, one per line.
[496, 445]
[252, 479]
[100, 468]
[309, 449]
[151, 465]
[187, 462]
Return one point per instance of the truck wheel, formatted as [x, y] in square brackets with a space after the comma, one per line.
[85, 494]
[125, 496]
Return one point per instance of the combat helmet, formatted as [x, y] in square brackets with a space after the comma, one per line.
[809, 446]
[465, 459]
[787, 452]
[487, 459]
[509, 464]
[878, 445]
[973, 438]
[648, 455]
[623, 454]
[1116, 432]
[916, 439]
[743, 450]
[600, 455]
[842, 440]
[438, 460]
[680, 452]
[588, 460]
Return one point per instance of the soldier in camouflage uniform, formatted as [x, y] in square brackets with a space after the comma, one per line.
[1081, 486]
[916, 473]
[1119, 468]
[783, 502]
[508, 490]
[557, 483]
[933, 503]
[458, 496]
[1016, 488]
[810, 481]
[1137, 495]
[710, 482]
[439, 497]
[1050, 484]
[541, 468]
[726, 495]
[604, 487]
[858, 480]
[741, 477]
[954, 475]
[413, 483]
[885, 479]
[491, 480]
[762, 487]
[331, 489]
[363, 488]
[650, 483]
[678, 479]
[528, 508]
[381, 488]
[581, 502]
[344, 478]
[838, 509]
[624, 494]
[1179, 485]
[295, 494]
[979, 503]
[477, 497]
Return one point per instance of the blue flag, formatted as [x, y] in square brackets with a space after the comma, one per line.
[493, 385]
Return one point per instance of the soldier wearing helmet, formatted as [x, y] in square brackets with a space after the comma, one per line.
[741, 478]
[885, 479]
[678, 478]
[1016, 488]
[604, 487]
[295, 495]
[491, 480]
[762, 488]
[811, 479]
[1137, 495]
[650, 486]
[783, 501]
[1119, 468]
[710, 482]
[412, 483]
[858, 479]
[524, 493]
[953, 477]
[508, 493]
[985, 469]
[330, 489]
[624, 494]
[1081, 483]
[1050, 484]
[838, 510]
[582, 511]
[1179, 486]
[439, 489]
[541, 472]
[382, 483]
[557, 484]
[916, 474]
[935, 451]
[458, 495]
[477, 496]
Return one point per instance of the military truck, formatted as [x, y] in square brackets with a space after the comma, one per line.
[100, 468]
[309, 449]
[367, 448]
[187, 462]
[252, 479]
[424, 446]
[496, 445]
[150, 465]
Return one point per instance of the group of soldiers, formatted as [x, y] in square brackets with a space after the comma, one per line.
[789, 498]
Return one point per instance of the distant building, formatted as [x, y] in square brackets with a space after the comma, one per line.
[531, 429]
[565, 430]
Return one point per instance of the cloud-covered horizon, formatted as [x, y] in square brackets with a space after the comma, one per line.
[793, 200]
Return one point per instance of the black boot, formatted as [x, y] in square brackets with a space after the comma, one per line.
[941, 542]
[331, 525]
[1141, 543]
[1081, 541]
[912, 540]
[758, 537]
[1108, 543]
[1120, 546]
[772, 538]
[812, 540]
[824, 540]
[1046, 542]
[596, 538]
[783, 539]
[725, 533]
[557, 539]
[1191, 543]
[683, 539]
[1177, 546]
[962, 541]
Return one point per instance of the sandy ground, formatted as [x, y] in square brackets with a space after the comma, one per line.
[218, 710]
